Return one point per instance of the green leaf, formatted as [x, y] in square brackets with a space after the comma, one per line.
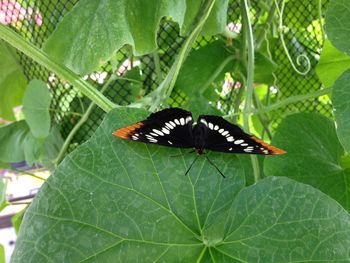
[313, 155]
[3, 202]
[113, 199]
[36, 104]
[332, 64]
[201, 66]
[280, 220]
[2, 254]
[12, 81]
[12, 140]
[16, 220]
[91, 33]
[338, 23]
[216, 22]
[341, 106]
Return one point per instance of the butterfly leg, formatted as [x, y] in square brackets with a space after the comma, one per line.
[215, 166]
[195, 159]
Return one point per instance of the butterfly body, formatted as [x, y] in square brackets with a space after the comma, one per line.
[174, 127]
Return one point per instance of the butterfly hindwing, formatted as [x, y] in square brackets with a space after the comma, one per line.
[170, 127]
[223, 136]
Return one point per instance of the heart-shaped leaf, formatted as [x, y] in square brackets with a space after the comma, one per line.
[332, 64]
[341, 106]
[338, 23]
[36, 104]
[93, 31]
[313, 155]
[115, 200]
[12, 81]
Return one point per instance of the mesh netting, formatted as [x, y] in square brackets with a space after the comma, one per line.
[41, 17]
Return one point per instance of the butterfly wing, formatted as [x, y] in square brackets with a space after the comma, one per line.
[170, 127]
[223, 136]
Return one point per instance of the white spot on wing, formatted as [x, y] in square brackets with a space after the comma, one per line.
[172, 123]
[210, 125]
[169, 125]
[177, 121]
[216, 127]
[221, 130]
[239, 141]
[230, 149]
[182, 121]
[158, 132]
[230, 139]
[154, 134]
[134, 137]
[248, 150]
[244, 144]
[166, 131]
[204, 122]
[170, 142]
[188, 119]
[266, 151]
[224, 133]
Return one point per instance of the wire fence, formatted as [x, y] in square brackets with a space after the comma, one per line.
[39, 19]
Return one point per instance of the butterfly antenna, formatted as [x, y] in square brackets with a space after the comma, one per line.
[182, 154]
[195, 159]
[215, 166]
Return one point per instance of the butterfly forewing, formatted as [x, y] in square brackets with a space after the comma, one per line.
[223, 136]
[170, 127]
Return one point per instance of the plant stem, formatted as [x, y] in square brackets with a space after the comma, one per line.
[82, 120]
[247, 27]
[162, 93]
[26, 173]
[261, 35]
[15, 40]
[293, 99]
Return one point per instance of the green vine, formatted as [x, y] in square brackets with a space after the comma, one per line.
[299, 58]
[248, 35]
[18, 42]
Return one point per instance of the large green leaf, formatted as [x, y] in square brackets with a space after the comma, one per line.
[114, 200]
[93, 31]
[36, 104]
[313, 155]
[338, 23]
[12, 139]
[341, 105]
[12, 81]
[332, 64]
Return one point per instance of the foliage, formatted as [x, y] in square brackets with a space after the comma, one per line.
[112, 199]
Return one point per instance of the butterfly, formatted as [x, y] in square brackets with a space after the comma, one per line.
[174, 127]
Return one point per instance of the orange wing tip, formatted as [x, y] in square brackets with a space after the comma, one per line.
[126, 132]
[274, 150]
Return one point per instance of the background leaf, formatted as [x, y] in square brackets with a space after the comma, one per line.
[12, 138]
[36, 104]
[93, 31]
[313, 155]
[341, 106]
[338, 23]
[12, 81]
[3, 202]
[2, 254]
[115, 199]
[332, 64]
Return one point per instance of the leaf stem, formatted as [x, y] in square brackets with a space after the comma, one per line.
[247, 27]
[15, 40]
[26, 173]
[82, 120]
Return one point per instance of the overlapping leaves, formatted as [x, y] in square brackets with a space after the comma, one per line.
[120, 200]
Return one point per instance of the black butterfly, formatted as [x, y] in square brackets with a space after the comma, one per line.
[173, 127]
